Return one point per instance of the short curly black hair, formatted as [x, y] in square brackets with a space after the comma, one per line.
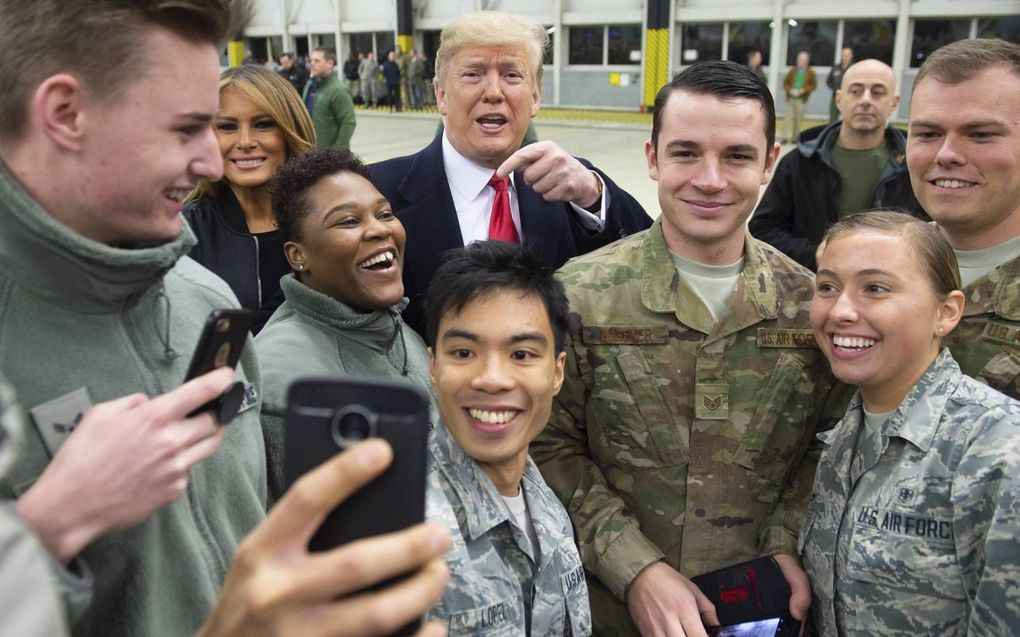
[293, 180]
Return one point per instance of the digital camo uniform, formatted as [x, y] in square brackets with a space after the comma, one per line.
[496, 588]
[917, 535]
[986, 343]
[30, 603]
[675, 438]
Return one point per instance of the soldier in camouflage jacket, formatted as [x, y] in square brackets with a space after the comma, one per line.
[677, 438]
[924, 540]
[491, 557]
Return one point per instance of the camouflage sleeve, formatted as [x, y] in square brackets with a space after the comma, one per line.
[609, 538]
[781, 530]
[986, 504]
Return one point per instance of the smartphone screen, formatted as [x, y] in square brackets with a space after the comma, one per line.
[772, 627]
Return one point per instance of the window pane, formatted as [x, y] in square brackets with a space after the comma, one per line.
[585, 45]
[361, 42]
[870, 39]
[817, 37]
[931, 34]
[701, 41]
[1005, 28]
[547, 54]
[384, 42]
[748, 36]
[624, 39]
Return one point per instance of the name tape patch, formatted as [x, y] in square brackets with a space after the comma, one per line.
[623, 335]
[775, 337]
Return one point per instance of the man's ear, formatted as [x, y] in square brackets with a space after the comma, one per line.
[561, 361]
[653, 163]
[58, 104]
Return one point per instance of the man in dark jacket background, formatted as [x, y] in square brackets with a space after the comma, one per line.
[293, 72]
[837, 169]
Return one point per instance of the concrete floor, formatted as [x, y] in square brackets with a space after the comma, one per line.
[617, 149]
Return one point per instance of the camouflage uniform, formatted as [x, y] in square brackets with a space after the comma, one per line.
[497, 587]
[917, 533]
[986, 343]
[30, 605]
[676, 437]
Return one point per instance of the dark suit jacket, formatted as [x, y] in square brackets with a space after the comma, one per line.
[417, 188]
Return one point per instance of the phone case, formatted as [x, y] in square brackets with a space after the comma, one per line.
[393, 501]
[747, 591]
[220, 344]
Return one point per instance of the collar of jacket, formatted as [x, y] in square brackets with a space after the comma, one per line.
[229, 208]
[753, 300]
[916, 419]
[483, 508]
[376, 329]
[70, 270]
[821, 139]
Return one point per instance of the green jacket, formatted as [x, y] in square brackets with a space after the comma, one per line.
[83, 323]
[675, 437]
[332, 112]
[314, 334]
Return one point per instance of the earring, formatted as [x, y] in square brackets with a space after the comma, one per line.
[301, 266]
[939, 330]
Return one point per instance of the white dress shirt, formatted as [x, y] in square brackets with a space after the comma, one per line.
[472, 197]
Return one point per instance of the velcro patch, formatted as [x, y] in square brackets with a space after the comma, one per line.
[623, 335]
[56, 419]
[1002, 333]
[481, 620]
[712, 401]
[775, 337]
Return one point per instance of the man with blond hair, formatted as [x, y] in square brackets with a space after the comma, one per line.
[154, 517]
[963, 150]
[476, 182]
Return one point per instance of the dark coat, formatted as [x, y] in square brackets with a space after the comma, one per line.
[417, 188]
[800, 202]
[251, 264]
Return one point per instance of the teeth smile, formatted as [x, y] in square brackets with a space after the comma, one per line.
[249, 163]
[952, 183]
[492, 417]
[491, 122]
[852, 343]
[176, 194]
[379, 258]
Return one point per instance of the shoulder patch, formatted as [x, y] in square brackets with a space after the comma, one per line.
[623, 335]
[1000, 332]
[776, 337]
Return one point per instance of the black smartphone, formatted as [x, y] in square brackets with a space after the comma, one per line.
[326, 415]
[220, 343]
[772, 627]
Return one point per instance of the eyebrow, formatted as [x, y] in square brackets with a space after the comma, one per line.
[981, 123]
[197, 118]
[685, 144]
[864, 272]
[521, 337]
[350, 206]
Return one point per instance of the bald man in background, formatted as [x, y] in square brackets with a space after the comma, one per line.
[844, 167]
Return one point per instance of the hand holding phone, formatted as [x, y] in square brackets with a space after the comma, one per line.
[220, 344]
[328, 415]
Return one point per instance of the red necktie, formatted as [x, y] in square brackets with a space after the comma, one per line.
[501, 222]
